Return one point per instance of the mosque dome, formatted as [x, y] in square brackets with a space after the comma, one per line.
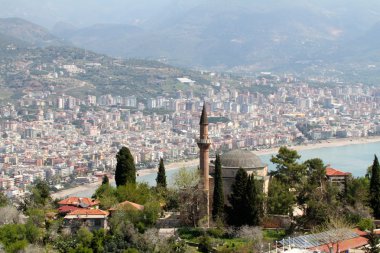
[239, 158]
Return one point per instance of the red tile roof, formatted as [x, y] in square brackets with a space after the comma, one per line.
[127, 204]
[330, 172]
[67, 209]
[77, 201]
[344, 245]
[360, 232]
[82, 211]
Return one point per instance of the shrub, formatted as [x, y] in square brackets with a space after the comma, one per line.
[216, 232]
[189, 233]
[366, 224]
[205, 245]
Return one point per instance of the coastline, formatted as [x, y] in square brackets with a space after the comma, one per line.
[194, 162]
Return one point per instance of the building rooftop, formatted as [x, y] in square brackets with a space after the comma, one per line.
[88, 212]
[239, 158]
[127, 205]
[77, 201]
[330, 172]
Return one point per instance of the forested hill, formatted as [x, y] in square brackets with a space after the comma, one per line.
[79, 72]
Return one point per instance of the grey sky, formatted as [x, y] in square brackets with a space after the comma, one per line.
[144, 12]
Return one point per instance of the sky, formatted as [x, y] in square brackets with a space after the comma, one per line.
[142, 12]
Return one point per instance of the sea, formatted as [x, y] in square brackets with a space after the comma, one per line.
[355, 158]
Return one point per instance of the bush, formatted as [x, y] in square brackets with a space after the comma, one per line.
[216, 232]
[366, 224]
[189, 233]
[205, 245]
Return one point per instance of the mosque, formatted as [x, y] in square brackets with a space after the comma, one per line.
[231, 162]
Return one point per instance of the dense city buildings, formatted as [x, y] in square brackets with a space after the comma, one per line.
[68, 140]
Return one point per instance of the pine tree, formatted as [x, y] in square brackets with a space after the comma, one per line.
[125, 167]
[254, 204]
[237, 211]
[374, 188]
[161, 176]
[218, 197]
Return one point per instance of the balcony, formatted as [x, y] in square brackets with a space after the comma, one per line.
[204, 141]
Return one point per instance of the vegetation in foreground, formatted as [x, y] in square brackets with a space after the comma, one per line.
[35, 225]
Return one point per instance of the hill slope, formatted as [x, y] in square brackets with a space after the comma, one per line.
[30, 34]
[80, 72]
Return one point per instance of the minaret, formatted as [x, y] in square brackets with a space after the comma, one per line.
[204, 145]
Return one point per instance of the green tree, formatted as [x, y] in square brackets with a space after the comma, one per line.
[107, 196]
[84, 237]
[374, 188]
[237, 210]
[13, 237]
[3, 200]
[40, 194]
[253, 200]
[186, 183]
[316, 171]
[357, 191]
[323, 204]
[315, 183]
[161, 176]
[287, 168]
[218, 196]
[97, 243]
[280, 199]
[125, 168]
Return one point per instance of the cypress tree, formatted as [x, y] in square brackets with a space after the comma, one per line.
[125, 167]
[161, 176]
[218, 197]
[237, 210]
[254, 205]
[374, 188]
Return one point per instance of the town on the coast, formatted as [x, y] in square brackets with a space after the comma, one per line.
[69, 141]
[229, 204]
[195, 126]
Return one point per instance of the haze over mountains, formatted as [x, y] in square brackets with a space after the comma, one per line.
[252, 35]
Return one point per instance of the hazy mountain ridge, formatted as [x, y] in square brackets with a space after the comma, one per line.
[222, 35]
[28, 32]
[228, 36]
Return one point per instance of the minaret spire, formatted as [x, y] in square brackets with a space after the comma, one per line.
[204, 119]
[204, 145]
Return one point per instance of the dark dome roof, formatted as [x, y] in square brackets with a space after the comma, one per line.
[241, 159]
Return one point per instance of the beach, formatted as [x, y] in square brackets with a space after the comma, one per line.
[331, 143]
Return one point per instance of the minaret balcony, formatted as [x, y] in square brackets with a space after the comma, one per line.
[204, 141]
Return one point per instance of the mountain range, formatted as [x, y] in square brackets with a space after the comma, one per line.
[222, 35]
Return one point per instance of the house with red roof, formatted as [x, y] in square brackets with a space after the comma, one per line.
[93, 219]
[337, 177]
[127, 205]
[74, 203]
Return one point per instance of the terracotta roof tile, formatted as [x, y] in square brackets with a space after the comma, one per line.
[82, 211]
[330, 172]
[77, 201]
[344, 245]
[127, 204]
[67, 209]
